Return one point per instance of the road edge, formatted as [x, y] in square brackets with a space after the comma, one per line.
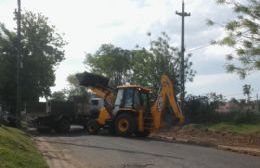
[237, 149]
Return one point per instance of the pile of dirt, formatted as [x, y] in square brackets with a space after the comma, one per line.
[89, 79]
[203, 135]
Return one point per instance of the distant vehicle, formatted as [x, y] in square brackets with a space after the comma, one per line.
[96, 104]
[59, 116]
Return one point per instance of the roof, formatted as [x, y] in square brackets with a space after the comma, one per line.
[141, 88]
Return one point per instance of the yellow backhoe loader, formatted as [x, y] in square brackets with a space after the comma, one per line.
[127, 109]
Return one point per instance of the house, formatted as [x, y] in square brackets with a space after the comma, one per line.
[231, 106]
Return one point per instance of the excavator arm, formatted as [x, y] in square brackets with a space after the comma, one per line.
[105, 94]
[158, 108]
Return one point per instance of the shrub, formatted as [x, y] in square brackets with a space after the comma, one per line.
[198, 109]
[247, 117]
[201, 109]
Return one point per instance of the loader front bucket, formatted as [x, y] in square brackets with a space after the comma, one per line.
[92, 80]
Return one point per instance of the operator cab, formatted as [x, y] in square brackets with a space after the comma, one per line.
[132, 97]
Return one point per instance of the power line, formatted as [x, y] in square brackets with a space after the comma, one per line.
[200, 47]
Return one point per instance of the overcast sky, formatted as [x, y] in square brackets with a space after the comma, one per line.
[89, 23]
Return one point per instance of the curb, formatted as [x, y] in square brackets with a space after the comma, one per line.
[245, 150]
[237, 149]
[183, 141]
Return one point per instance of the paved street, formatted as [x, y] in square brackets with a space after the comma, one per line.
[81, 150]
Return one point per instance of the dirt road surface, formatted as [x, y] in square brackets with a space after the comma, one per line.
[78, 150]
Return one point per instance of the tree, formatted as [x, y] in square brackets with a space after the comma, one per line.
[75, 90]
[161, 58]
[42, 51]
[215, 99]
[242, 34]
[233, 100]
[140, 66]
[247, 90]
[7, 66]
[110, 61]
[59, 96]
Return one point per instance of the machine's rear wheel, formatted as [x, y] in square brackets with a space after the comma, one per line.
[93, 127]
[125, 125]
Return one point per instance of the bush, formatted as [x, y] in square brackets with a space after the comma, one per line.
[247, 117]
[200, 109]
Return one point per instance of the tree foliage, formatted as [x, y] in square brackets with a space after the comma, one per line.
[140, 66]
[148, 65]
[59, 96]
[243, 35]
[247, 90]
[111, 61]
[75, 90]
[7, 64]
[42, 50]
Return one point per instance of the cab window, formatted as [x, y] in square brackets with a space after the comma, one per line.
[129, 98]
[137, 102]
[145, 100]
[94, 102]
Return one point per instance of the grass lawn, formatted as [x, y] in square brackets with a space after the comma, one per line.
[17, 150]
[236, 128]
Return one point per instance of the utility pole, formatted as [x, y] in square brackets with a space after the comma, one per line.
[18, 63]
[183, 14]
[257, 104]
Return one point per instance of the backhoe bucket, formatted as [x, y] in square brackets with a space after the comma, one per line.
[92, 80]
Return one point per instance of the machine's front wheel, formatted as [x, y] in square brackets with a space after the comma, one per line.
[125, 125]
[93, 127]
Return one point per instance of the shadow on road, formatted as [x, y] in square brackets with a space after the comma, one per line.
[78, 131]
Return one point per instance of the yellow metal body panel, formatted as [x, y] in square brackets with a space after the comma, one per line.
[103, 116]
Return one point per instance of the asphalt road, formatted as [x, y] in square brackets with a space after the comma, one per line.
[116, 152]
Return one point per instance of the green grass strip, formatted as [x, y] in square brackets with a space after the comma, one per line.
[17, 150]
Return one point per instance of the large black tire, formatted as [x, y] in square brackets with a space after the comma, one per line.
[63, 126]
[93, 127]
[125, 124]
